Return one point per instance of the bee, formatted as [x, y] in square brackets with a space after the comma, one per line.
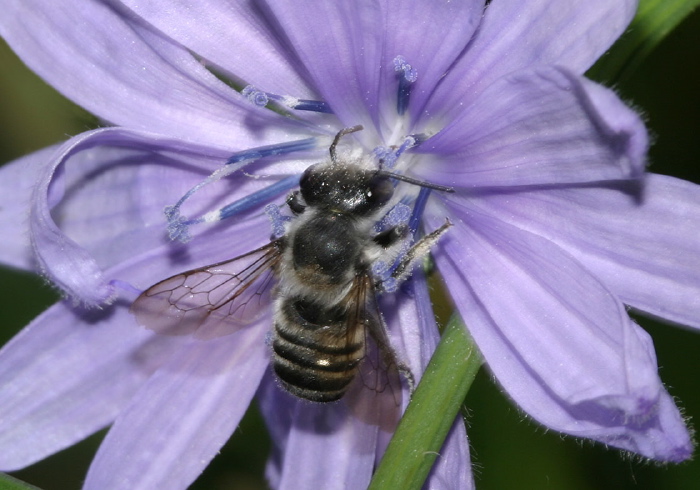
[318, 275]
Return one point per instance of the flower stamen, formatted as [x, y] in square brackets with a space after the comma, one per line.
[178, 228]
[389, 155]
[178, 225]
[407, 76]
[261, 99]
[252, 154]
[418, 208]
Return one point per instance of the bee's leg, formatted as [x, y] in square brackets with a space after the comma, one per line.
[408, 376]
[416, 252]
[384, 357]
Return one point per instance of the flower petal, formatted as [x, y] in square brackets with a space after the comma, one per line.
[105, 191]
[545, 126]
[348, 50]
[77, 232]
[68, 264]
[130, 75]
[19, 178]
[560, 344]
[130, 170]
[411, 323]
[234, 36]
[67, 375]
[644, 247]
[277, 409]
[317, 444]
[339, 44]
[180, 419]
[515, 34]
[49, 363]
[453, 467]
[411, 32]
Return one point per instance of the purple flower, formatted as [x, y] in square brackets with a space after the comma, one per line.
[556, 226]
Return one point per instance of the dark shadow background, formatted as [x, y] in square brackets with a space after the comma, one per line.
[508, 451]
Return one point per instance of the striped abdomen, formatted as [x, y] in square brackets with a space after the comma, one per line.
[317, 353]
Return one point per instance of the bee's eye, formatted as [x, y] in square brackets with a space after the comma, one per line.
[304, 180]
[379, 191]
[312, 184]
[368, 194]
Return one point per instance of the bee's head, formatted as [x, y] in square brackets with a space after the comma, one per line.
[345, 188]
[348, 186]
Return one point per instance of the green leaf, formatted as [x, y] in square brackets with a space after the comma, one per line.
[432, 411]
[9, 483]
[655, 19]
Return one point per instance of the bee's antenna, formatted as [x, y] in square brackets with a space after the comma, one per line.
[421, 183]
[340, 134]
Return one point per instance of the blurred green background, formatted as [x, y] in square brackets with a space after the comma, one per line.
[508, 450]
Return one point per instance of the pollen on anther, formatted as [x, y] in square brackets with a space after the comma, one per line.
[277, 220]
[407, 72]
[398, 215]
[380, 269]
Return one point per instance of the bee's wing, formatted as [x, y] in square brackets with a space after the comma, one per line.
[376, 397]
[214, 300]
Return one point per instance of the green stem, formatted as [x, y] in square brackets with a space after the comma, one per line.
[654, 20]
[432, 411]
[9, 483]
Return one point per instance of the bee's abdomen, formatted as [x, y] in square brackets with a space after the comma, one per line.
[315, 360]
